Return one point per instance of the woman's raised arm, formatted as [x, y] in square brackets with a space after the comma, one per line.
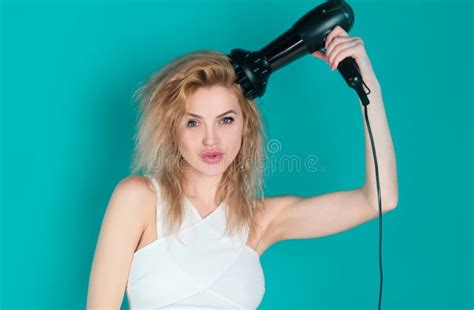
[297, 217]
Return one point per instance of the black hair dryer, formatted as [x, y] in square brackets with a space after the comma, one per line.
[307, 35]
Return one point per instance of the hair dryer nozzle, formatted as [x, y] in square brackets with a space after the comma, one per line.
[305, 36]
[252, 71]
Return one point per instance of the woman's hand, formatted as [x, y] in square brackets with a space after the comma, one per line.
[339, 45]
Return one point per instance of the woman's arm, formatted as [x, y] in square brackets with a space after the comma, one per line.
[387, 165]
[295, 217]
[121, 229]
[340, 45]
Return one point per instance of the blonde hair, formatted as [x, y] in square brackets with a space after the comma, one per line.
[162, 105]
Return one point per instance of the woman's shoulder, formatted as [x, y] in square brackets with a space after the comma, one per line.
[136, 186]
[137, 194]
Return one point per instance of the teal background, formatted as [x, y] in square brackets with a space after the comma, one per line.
[68, 70]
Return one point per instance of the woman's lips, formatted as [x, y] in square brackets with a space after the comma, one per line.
[212, 157]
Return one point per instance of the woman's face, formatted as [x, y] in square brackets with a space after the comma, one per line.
[213, 122]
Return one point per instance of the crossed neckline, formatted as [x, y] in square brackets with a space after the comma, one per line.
[211, 214]
[196, 212]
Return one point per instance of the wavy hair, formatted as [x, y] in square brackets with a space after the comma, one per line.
[162, 105]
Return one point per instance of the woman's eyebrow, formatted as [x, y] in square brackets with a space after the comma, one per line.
[199, 116]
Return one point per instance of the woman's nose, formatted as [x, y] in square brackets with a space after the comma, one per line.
[210, 136]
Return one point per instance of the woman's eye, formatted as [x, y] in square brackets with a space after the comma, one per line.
[226, 120]
[231, 120]
[191, 122]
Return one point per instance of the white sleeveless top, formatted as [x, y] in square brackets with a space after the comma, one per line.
[207, 271]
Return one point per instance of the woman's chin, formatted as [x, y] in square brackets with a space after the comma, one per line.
[213, 168]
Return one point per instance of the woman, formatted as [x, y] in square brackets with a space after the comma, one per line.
[199, 145]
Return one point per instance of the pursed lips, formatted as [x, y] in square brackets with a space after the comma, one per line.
[211, 153]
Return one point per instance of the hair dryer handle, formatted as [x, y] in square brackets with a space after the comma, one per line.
[350, 72]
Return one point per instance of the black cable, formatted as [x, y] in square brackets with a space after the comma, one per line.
[378, 196]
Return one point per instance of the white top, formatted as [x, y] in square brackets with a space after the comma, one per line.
[207, 271]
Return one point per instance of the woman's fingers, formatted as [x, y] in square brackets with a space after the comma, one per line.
[342, 54]
[338, 45]
[333, 37]
[338, 31]
[321, 55]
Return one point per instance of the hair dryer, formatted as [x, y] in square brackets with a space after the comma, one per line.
[307, 35]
